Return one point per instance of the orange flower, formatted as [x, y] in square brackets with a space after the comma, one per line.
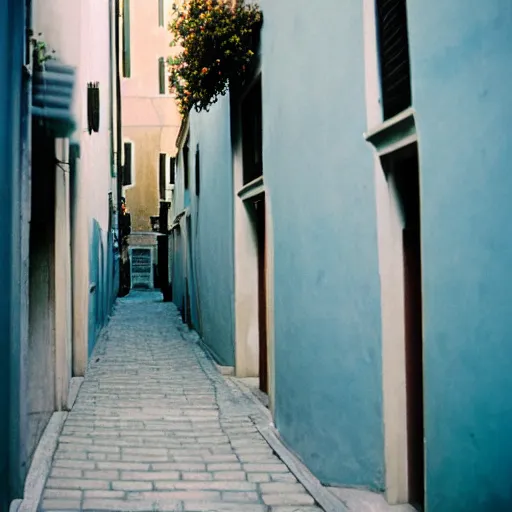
[204, 71]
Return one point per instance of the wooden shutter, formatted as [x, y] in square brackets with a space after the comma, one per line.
[93, 107]
[172, 173]
[127, 169]
[161, 74]
[162, 182]
[96, 108]
[395, 69]
[161, 13]
[89, 107]
[126, 39]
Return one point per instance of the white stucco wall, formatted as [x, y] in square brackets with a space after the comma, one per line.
[80, 35]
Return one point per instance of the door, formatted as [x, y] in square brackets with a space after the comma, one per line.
[414, 363]
[141, 268]
[259, 206]
[407, 181]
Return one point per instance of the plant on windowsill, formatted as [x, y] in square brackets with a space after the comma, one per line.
[217, 38]
[40, 53]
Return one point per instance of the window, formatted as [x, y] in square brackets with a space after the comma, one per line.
[185, 162]
[198, 171]
[162, 180]
[393, 42]
[252, 134]
[128, 164]
[172, 169]
[162, 78]
[161, 15]
[126, 39]
[93, 107]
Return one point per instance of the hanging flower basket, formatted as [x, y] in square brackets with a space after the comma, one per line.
[217, 38]
[52, 96]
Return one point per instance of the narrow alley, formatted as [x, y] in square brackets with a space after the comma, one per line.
[255, 256]
[156, 427]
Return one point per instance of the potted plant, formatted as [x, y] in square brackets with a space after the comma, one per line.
[52, 90]
[217, 41]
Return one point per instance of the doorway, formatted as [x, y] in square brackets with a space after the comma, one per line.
[260, 231]
[41, 362]
[253, 250]
[404, 178]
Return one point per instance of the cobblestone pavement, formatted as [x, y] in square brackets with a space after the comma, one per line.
[157, 428]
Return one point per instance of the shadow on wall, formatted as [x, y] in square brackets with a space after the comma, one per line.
[40, 400]
[102, 281]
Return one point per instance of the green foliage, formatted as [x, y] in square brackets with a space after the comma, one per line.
[40, 51]
[216, 38]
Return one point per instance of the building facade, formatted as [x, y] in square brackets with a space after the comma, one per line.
[14, 219]
[334, 233]
[61, 265]
[150, 123]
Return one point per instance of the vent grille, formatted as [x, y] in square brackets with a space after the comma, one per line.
[93, 107]
[394, 56]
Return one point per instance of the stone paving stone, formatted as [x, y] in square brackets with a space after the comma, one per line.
[288, 498]
[295, 508]
[155, 427]
[58, 504]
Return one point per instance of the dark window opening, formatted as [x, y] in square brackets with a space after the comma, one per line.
[161, 75]
[127, 168]
[198, 171]
[172, 171]
[393, 42]
[185, 163]
[252, 134]
[163, 160]
[126, 39]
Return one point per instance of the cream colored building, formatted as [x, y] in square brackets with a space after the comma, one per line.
[150, 120]
[68, 276]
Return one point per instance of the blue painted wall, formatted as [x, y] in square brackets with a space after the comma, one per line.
[214, 247]
[319, 176]
[461, 55]
[211, 230]
[102, 273]
[13, 341]
[5, 248]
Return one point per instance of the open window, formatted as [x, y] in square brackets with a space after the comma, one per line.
[252, 133]
[128, 164]
[198, 171]
[162, 178]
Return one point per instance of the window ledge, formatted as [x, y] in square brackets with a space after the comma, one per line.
[252, 189]
[393, 134]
